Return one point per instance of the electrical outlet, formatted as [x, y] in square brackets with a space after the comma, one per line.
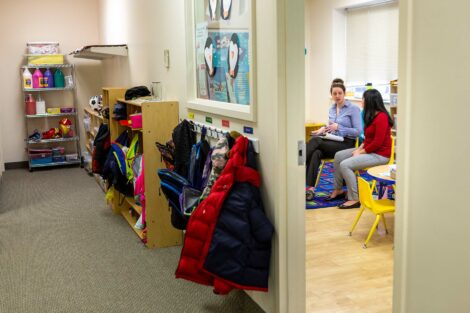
[166, 58]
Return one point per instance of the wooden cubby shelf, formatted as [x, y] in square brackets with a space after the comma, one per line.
[159, 118]
[137, 208]
[132, 220]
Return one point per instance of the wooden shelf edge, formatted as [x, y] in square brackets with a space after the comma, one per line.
[131, 220]
[137, 102]
[94, 113]
[100, 52]
[137, 208]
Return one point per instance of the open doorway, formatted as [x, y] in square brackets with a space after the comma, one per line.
[356, 41]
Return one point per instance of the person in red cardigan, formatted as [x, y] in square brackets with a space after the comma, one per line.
[375, 150]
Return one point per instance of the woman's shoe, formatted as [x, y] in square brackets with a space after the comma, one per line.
[338, 197]
[351, 206]
[309, 193]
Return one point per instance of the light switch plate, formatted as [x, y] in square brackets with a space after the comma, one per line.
[166, 57]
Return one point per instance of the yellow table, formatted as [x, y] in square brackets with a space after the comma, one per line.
[309, 127]
[382, 174]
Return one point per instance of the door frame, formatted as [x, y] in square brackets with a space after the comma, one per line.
[292, 59]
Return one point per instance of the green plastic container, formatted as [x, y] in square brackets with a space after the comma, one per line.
[59, 81]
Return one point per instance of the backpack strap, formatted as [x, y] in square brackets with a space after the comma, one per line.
[120, 157]
[130, 155]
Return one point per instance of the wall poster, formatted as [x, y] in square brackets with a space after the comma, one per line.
[223, 57]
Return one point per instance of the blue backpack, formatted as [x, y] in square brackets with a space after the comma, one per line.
[114, 164]
[172, 184]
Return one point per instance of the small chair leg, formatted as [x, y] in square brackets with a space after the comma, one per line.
[374, 187]
[322, 164]
[357, 220]
[372, 230]
[385, 223]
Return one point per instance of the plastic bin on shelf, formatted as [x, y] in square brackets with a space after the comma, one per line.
[40, 157]
[43, 59]
[39, 151]
[58, 151]
[136, 120]
[60, 158]
[71, 157]
[43, 47]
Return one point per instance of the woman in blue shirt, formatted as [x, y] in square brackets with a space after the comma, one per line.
[344, 119]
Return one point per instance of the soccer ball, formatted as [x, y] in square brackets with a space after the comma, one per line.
[95, 103]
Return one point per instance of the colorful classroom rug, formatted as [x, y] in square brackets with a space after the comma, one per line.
[326, 186]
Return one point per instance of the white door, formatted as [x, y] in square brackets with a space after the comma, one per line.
[295, 182]
[432, 213]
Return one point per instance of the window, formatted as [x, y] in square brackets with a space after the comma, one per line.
[372, 46]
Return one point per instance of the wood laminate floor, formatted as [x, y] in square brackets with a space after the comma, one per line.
[342, 277]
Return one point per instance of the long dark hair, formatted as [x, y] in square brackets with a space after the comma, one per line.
[373, 103]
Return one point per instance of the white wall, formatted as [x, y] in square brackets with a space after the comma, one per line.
[147, 29]
[73, 24]
[153, 26]
[324, 28]
[432, 252]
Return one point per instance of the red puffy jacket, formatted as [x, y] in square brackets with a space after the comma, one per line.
[201, 225]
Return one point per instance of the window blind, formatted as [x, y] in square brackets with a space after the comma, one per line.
[372, 44]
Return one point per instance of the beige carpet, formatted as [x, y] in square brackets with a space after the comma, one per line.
[63, 250]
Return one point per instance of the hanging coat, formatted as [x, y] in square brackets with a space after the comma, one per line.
[228, 237]
[184, 138]
[101, 146]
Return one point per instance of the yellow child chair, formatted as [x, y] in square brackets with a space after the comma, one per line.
[378, 207]
[322, 164]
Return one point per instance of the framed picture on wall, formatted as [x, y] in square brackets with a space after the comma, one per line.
[220, 45]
